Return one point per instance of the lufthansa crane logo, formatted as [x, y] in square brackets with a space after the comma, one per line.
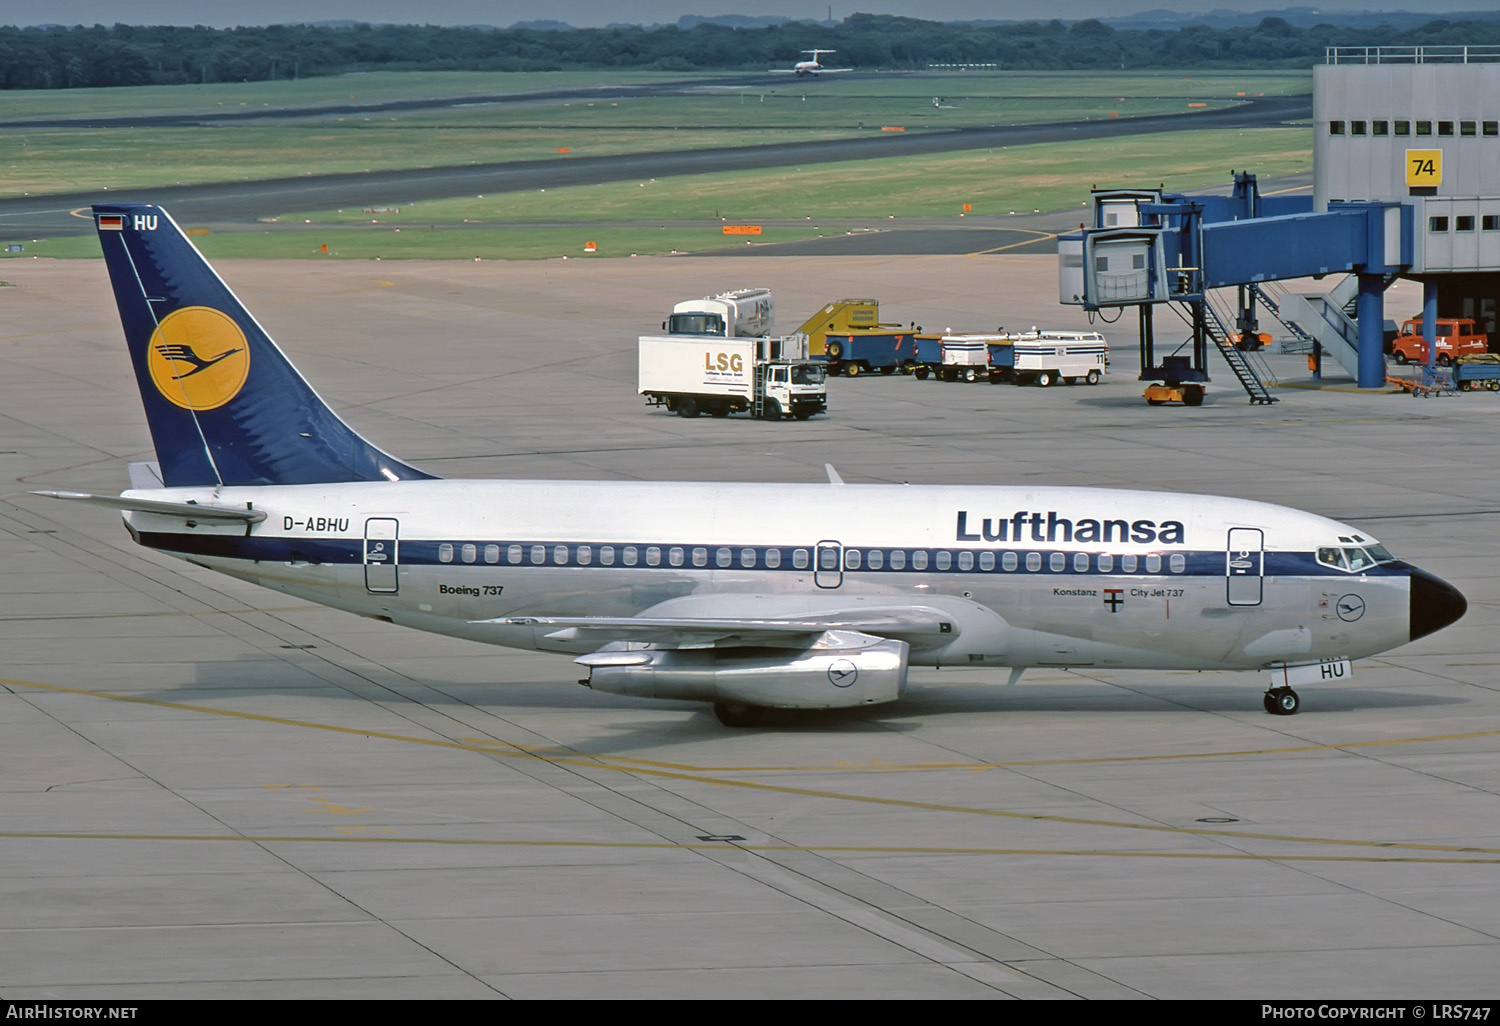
[1351, 608]
[842, 673]
[198, 358]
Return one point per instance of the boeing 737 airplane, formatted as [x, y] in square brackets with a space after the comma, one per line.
[804, 68]
[723, 593]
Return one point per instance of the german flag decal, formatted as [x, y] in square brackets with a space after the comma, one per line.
[111, 222]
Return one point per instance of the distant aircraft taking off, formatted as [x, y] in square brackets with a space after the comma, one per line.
[749, 596]
[802, 69]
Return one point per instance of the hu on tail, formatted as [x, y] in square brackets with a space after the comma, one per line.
[223, 403]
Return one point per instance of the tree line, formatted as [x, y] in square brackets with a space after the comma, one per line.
[121, 55]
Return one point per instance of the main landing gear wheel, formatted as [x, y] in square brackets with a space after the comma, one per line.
[739, 714]
[1282, 701]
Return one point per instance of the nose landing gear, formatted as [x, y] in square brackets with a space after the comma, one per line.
[1282, 701]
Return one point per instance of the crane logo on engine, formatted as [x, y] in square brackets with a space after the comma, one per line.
[842, 673]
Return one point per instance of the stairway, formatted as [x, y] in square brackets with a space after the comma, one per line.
[1238, 362]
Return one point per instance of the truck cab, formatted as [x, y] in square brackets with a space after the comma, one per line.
[1455, 337]
[695, 323]
[792, 389]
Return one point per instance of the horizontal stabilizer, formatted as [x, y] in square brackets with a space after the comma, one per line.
[187, 510]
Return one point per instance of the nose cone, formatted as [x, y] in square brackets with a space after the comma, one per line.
[1434, 604]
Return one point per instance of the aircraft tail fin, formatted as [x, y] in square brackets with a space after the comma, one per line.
[224, 405]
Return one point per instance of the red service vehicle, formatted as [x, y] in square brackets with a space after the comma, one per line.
[1455, 337]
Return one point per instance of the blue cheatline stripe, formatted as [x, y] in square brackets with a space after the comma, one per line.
[961, 561]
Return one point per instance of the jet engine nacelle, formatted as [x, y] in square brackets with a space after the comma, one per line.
[836, 677]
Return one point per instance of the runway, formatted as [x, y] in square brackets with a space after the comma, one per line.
[208, 790]
[245, 202]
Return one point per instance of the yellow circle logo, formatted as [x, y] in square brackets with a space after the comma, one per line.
[198, 358]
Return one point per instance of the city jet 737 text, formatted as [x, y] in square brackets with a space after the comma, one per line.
[725, 593]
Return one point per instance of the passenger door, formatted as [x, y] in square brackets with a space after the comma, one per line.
[1244, 566]
[382, 555]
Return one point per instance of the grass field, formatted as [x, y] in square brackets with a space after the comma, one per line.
[525, 243]
[1000, 181]
[40, 161]
[37, 161]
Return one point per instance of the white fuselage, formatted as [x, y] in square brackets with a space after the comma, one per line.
[1027, 577]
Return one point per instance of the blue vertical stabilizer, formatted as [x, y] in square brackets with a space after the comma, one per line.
[224, 404]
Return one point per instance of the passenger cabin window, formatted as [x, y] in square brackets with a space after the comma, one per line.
[492, 553]
[445, 553]
[584, 554]
[629, 555]
[919, 559]
[1127, 564]
[514, 554]
[1008, 561]
[1057, 562]
[674, 555]
[1177, 563]
[851, 559]
[607, 555]
[773, 558]
[898, 559]
[700, 557]
[1033, 561]
[1081, 562]
[1153, 564]
[799, 559]
[747, 558]
[468, 553]
[560, 555]
[944, 560]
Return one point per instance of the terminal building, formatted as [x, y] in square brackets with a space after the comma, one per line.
[1420, 125]
[1406, 184]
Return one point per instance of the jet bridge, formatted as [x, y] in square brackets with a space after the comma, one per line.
[1148, 248]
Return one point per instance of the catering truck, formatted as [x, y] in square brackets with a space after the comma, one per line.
[767, 377]
[742, 313]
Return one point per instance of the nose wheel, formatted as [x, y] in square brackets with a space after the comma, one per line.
[1282, 701]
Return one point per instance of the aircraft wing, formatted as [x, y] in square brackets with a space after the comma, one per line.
[187, 510]
[757, 625]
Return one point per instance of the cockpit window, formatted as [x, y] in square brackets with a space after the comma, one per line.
[1353, 558]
